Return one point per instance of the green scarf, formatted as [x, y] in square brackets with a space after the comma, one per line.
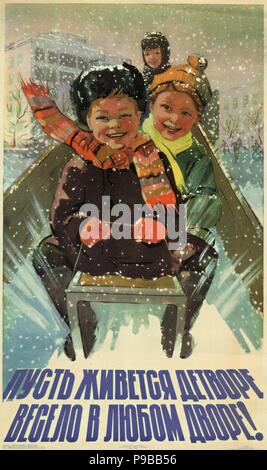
[169, 148]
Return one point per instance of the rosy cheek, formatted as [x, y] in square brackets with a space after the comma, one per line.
[129, 124]
[185, 122]
[159, 124]
[103, 130]
[132, 125]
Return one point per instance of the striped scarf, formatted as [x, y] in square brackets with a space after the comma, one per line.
[150, 170]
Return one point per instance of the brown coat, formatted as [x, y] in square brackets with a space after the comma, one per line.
[80, 183]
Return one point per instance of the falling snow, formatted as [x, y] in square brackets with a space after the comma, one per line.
[33, 330]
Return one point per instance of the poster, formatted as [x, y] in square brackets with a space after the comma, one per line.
[127, 394]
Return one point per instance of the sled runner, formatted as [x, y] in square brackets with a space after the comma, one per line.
[116, 289]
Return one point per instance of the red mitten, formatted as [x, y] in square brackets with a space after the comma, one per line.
[38, 95]
[149, 231]
[122, 159]
[107, 164]
[93, 230]
[30, 88]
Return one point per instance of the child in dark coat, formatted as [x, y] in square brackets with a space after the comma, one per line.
[110, 102]
[156, 55]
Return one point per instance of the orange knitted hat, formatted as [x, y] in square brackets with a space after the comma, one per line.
[187, 78]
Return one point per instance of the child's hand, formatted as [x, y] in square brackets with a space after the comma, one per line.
[30, 88]
[184, 254]
[94, 230]
[38, 95]
[122, 159]
[179, 256]
[149, 231]
[107, 158]
[107, 164]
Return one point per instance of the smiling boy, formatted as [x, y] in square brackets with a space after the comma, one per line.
[110, 101]
[114, 120]
[113, 114]
[178, 99]
[156, 55]
[174, 115]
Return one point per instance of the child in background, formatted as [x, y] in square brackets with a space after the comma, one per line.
[156, 55]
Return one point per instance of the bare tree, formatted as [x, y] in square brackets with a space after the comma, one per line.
[255, 122]
[19, 127]
[231, 127]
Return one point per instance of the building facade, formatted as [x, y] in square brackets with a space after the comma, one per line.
[55, 58]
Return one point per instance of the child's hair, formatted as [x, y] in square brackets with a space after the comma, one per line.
[187, 78]
[102, 81]
[153, 40]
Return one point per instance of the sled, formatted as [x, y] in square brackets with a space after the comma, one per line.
[28, 200]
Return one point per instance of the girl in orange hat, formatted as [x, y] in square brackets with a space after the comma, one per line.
[178, 99]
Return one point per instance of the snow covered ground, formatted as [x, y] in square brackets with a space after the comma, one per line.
[33, 334]
[247, 174]
[17, 160]
[211, 336]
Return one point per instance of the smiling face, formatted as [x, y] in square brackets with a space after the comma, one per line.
[153, 57]
[114, 120]
[174, 114]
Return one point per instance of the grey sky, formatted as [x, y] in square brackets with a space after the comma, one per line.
[231, 37]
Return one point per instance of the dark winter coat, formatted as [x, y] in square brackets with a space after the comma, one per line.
[153, 40]
[81, 183]
[149, 73]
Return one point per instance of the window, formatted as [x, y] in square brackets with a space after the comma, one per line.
[235, 103]
[39, 54]
[67, 60]
[39, 73]
[66, 77]
[52, 57]
[51, 75]
[82, 63]
[44, 73]
[245, 100]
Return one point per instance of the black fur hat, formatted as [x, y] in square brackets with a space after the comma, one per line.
[153, 40]
[99, 82]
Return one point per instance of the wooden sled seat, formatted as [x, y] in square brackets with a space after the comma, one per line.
[118, 289]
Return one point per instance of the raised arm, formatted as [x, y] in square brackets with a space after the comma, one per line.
[56, 125]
